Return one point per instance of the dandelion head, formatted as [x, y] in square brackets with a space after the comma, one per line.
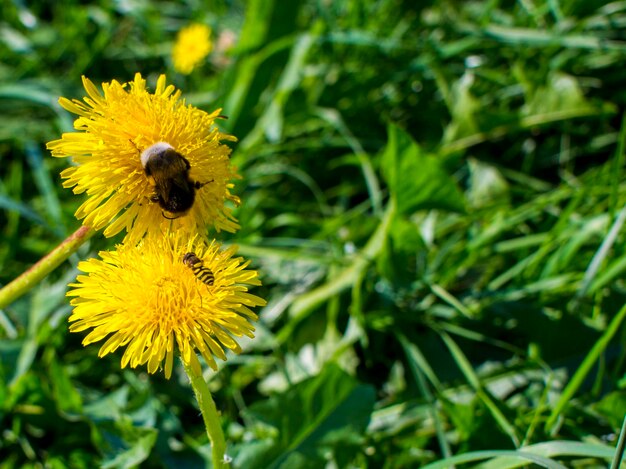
[152, 300]
[192, 45]
[118, 126]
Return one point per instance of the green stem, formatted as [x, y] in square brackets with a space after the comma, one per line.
[210, 416]
[619, 450]
[44, 266]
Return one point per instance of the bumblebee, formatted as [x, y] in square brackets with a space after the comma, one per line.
[168, 170]
[202, 273]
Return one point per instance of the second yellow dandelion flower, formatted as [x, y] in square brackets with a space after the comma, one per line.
[155, 302]
[193, 44]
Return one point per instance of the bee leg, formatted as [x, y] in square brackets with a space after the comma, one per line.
[135, 145]
[187, 165]
[152, 199]
[200, 295]
[166, 217]
[198, 184]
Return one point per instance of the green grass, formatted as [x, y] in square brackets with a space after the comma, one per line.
[433, 194]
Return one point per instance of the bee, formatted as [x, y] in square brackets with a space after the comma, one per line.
[169, 171]
[202, 273]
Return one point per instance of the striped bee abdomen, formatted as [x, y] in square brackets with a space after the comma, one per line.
[202, 273]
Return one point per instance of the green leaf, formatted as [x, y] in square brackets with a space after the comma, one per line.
[7, 203]
[65, 394]
[464, 107]
[397, 261]
[560, 93]
[487, 185]
[329, 411]
[265, 36]
[613, 407]
[109, 406]
[417, 181]
[130, 445]
[514, 459]
[585, 367]
[552, 449]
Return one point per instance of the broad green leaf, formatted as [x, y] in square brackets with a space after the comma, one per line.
[130, 446]
[109, 405]
[397, 262]
[561, 93]
[613, 407]
[328, 411]
[417, 181]
[487, 186]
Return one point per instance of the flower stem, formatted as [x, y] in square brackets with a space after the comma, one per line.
[44, 266]
[210, 416]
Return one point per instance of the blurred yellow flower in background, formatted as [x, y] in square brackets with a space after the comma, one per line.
[193, 44]
[115, 127]
[149, 300]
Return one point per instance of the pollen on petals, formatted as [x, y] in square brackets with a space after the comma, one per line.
[145, 298]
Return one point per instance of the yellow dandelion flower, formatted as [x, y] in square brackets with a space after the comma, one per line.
[115, 129]
[193, 44]
[150, 299]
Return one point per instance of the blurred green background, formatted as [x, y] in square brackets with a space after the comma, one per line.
[432, 192]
